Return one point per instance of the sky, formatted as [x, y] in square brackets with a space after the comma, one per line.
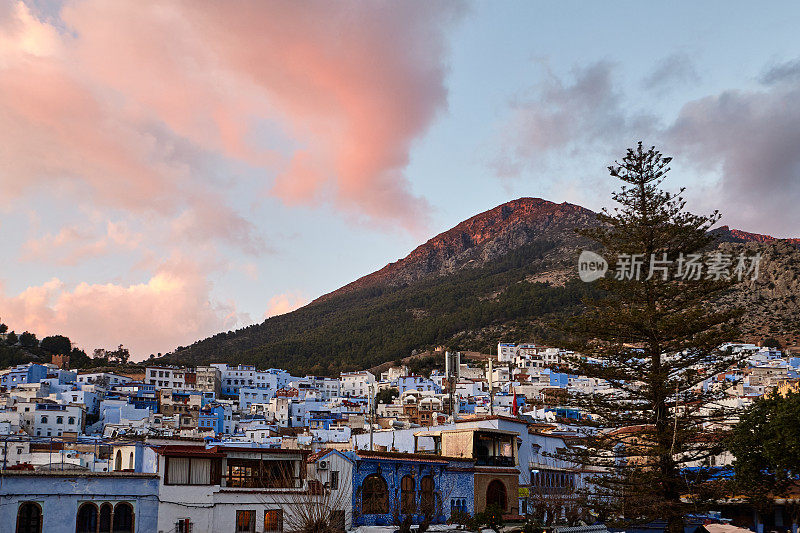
[170, 170]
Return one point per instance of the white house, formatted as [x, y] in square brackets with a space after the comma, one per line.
[356, 384]
[506, 352]
[104, 379]
[231, 488]
[167, 377]
[51, 419]
[87, 398]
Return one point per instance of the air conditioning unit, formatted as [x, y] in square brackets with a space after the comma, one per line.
[322, 465]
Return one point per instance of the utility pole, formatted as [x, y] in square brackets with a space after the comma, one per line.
[452, 360]
[371, 416]
[491, 388]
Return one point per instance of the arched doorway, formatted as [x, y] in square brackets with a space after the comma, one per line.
[29, 518]
[123, 518]
[374, 495]
[408, 498]
[496, 494]
[105, 518]
[428, 497]
[87, 518]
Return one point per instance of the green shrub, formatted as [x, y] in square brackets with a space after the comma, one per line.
[493, 517]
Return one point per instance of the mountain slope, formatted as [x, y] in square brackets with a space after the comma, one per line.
[503, 274]
[482, 239]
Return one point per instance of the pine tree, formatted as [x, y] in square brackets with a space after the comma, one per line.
[655, 341]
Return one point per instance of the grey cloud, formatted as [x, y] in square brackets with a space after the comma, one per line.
[587, 112]
[749, 139]
[753, 138]
[782, 72]
[670, 73]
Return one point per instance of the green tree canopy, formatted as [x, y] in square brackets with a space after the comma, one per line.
[772, 342]
[56, 344]
[28, 340]
[766, 446]
[387, 395]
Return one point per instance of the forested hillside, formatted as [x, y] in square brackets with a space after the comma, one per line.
[362, 328]
[506, 274]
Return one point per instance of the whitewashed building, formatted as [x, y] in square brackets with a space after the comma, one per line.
[51, 419]
[356, 384]
[167, 377]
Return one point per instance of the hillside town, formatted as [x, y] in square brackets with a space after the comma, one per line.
[237, 448]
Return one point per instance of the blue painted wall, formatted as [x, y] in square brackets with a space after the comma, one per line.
[454, 486]
[60, 495]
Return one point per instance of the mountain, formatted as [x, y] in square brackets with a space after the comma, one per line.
[726, 234]
[504, 274]
[482, 239]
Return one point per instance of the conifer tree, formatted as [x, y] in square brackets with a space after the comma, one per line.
[653, 336]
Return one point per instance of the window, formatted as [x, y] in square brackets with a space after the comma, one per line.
[118, 461]
[374, 495]
[105, 518]
[273, 521]
[245, 521]
[458, 504]
[123, 518]
[130, 461]
[29, 518]
[60, 420]
[428, 496]
[87, 518]
[192, 471]
[407, 495]
[184, 525]
[334, 480]
[44, 419]
[71, 420]
[249, 473]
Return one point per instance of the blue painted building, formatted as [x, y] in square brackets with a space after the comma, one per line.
[390, 486]
[78, 501]
[419, 383]
[466, 405]
[207, 397]
[27, 373]
[212, 416]
[559, 379]
[146, 397]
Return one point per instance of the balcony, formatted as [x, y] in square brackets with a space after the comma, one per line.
[494, 460]
[494, 448]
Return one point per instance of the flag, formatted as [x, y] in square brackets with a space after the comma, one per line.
[514, 409]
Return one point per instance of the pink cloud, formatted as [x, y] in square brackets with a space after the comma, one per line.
[73, 244]
[171, 308]
[113, 101]
[284, 303]
[129, 107]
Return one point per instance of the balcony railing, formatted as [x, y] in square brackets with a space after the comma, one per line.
[494, 460]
